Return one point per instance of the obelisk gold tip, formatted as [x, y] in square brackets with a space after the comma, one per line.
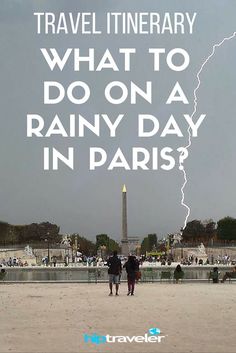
[124, 188]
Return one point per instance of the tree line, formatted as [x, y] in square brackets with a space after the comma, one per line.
[223, 231]
[196, 231]
[37, 233]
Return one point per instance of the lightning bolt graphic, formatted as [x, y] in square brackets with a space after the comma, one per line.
[181, 167]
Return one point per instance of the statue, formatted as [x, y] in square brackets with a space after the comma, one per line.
[202, 249]
[177, 237]
[29, 251]
[199, 252]
[66, 240]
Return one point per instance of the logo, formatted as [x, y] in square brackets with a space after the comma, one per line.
[153, 336]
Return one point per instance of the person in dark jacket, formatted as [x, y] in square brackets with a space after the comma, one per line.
[215, 275]
[114, 272]
[178, 273]
[131, 269]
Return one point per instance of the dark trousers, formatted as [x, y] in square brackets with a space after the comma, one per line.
[131, 284]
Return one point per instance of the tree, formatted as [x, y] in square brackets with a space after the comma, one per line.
[194, 232]
[193, 229]
[199, 232]
[110, 244]
[113, 245]
[144, 246]
[101, 240]
[149, 243]
[85, 246]
[4, 232]
[226, 228]
[152, 241]
[210, 227]
[28, 234]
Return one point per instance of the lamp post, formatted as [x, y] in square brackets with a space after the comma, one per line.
[70, 249]
[47, 240]
[182, 248]
[138, 250]
[76, 244]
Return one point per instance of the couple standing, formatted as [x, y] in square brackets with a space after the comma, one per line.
[115, 269]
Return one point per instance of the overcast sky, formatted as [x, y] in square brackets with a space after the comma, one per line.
[89, 202]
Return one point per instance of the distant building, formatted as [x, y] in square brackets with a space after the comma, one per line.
[134, 244]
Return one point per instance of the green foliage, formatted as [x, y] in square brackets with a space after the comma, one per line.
[198, 231]
[149, 243]
[105, 240]
[4, 232]
[85, 246]
[152, 241]
[210, 227]
[28, 234]
[2, 223]
[226, 229]
[144, 246]
[101, 239]
[193, 229]
[113, 245]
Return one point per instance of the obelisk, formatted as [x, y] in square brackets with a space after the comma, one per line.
[124, 240]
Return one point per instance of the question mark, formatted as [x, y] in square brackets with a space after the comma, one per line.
[183, 155]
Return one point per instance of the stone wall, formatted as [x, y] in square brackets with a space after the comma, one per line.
[6, 254]
[36, 259]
